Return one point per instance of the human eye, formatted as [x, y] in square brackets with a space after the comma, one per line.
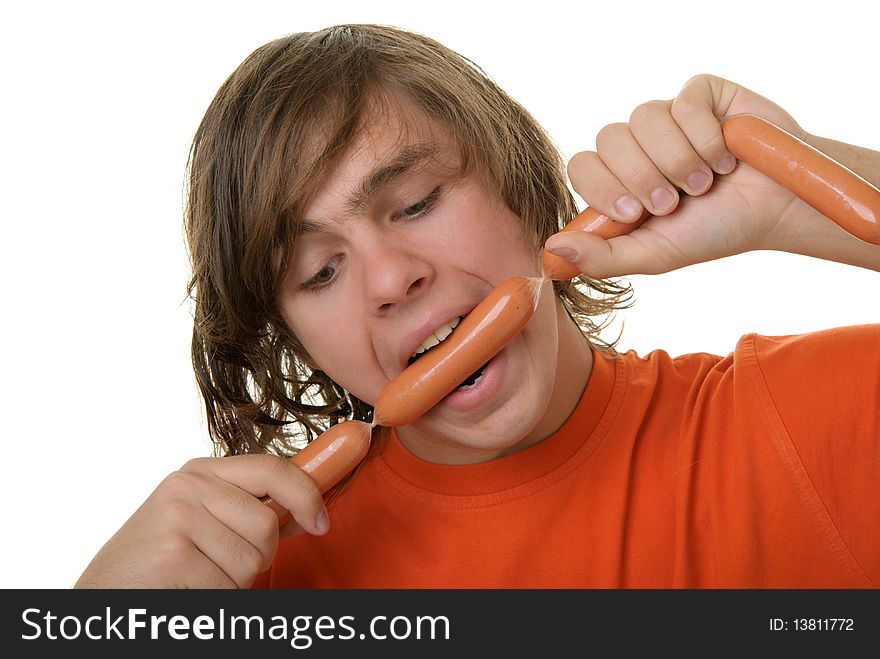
[420, 208]
[323, 278]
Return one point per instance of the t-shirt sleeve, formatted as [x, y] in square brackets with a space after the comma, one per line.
[826, 389]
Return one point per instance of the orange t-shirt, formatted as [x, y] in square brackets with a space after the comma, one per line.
[757, 470]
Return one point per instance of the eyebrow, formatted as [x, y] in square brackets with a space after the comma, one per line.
[404, 160]
[400, 162]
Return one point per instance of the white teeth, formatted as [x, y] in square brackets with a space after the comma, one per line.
[429, 342]
[442, 332]
[437, 336]
[475, 383]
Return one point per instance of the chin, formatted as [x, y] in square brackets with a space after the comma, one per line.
[514, 423]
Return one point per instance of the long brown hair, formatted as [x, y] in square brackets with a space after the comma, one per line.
[252, 168]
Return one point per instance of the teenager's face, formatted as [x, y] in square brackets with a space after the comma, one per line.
[398, 246]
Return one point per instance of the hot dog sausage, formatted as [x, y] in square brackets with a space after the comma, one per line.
[814, 177]
[478, 338]
[835, 191]
[826, 185]
[329, 457]
[591, 221]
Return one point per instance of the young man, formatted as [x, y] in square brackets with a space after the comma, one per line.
[353, 193]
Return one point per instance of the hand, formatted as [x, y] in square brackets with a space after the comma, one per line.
[205, 527]
[670, 161]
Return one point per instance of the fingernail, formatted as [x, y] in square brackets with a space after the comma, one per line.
[662, 198]
[698, 182]
[565, 252]
[726, 165]
[628, 206]
[322, 523]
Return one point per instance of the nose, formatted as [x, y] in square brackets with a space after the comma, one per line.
[394, 274]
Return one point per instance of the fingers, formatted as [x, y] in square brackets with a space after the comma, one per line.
[667, 145]
[623, 255]
[185, 548]
[235, 532]
[667, 148]
[217, 503]
[148, 552]
[627, 159]
[205, 526]
[640, 165]
[240, 555]
[595, 182]
[701, 100]
[259, 475]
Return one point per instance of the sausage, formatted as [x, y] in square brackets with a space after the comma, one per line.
[329, 457]
[835, 191]
[591, 221]
[478, 338]
[829, 187]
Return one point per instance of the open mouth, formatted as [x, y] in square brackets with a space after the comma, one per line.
[434, 340]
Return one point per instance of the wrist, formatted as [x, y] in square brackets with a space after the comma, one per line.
[862, 161]
[803, 230]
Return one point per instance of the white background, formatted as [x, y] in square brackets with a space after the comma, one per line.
[100, 101]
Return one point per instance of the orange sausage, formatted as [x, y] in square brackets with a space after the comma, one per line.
[826, 185]
[591, 221]
[478, 338]
[329, 457]
[835, 191]
[829, 187]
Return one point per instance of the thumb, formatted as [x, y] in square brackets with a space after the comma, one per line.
[599, 258]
